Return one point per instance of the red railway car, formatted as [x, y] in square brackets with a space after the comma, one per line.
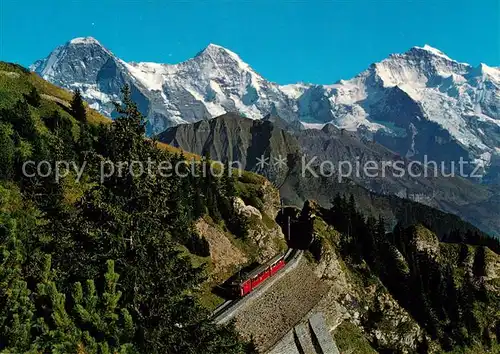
[259, 275]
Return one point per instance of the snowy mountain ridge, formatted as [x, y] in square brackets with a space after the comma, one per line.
[415, 103]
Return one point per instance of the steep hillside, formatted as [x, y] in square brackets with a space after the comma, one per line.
[93, 261]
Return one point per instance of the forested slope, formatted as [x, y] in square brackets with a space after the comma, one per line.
[91, 264]
[404, 290]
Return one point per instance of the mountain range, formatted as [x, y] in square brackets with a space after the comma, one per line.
[417, 103]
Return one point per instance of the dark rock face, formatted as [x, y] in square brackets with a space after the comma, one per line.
[233, 138]
[110, 78]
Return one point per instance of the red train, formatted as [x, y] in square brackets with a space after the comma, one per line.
[253, 279]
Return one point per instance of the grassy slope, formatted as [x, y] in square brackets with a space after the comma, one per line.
[15, 81]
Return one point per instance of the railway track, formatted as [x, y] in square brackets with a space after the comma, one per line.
[228, 309]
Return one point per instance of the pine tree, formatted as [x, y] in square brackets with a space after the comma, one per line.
[102, 314]
[85, 143]
[33, 98]
[352, 205]
[479, 266]
[77, 107]
[19, 116]
[130, 116]
[381, 229]
[486, 338]
[497, 330]
[423, 346]
[229, 181]
[54, 121]
[371, 249]
[467, 301]
[380, 245]
[464, 254]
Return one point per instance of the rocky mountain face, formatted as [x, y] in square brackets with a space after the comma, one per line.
[393, 305]
[214, 82]
[424, 103]
[417, 103]
[271, 149]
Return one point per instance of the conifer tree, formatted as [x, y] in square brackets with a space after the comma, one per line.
[7, 151]
[33, 98]
[130, 116]
[479, 265]
[381, 229]
[371, 241]
[19, 116]
[77, 107]
[486, 338]
[97, 326]
[229, 181]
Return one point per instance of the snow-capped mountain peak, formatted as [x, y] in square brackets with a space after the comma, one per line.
[419, 67]
[414, 102]
[79, 53]
[84, 40]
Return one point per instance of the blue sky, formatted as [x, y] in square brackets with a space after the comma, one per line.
[285, 41]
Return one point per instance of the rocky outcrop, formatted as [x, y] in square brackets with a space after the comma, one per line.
[354, 299]
[492, 268]
[264, 240]
[270, 199]
[425, 241]
[263, 231]
[355, 294]
[247, 211]
[224, 255]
